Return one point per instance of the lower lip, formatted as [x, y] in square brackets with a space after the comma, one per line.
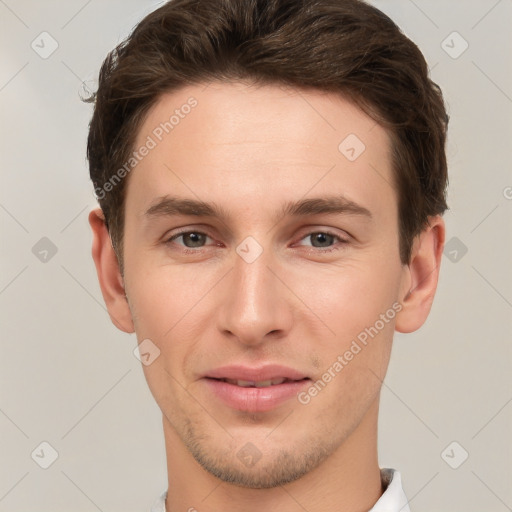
[255, 399]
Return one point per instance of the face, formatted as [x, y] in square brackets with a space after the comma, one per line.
[290, 271]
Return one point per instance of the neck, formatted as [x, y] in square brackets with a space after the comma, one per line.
[347, 481]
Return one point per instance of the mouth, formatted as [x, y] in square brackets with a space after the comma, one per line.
[261, 390]
[260, 384]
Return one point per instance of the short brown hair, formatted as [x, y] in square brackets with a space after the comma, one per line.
[342, 46]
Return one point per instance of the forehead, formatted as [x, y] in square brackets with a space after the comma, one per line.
[220, 139]
[236, 109]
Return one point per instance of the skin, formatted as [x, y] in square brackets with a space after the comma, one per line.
[250, 149]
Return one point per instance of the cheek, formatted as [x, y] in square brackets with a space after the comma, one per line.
[355, 303]
[164, 294]
[164, 300]
[173, 308]
[351, 297]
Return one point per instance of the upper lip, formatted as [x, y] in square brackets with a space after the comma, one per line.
[255, 374]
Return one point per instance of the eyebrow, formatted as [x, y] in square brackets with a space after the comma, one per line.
[339, 205]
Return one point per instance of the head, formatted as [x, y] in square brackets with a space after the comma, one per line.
[263, 110]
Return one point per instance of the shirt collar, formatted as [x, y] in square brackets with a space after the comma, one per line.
[392, 500]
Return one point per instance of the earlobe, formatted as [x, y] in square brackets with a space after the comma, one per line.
[109, 276]
[421, 276]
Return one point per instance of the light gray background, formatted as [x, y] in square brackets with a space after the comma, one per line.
[69, 378]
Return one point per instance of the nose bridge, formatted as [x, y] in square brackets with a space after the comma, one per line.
[254, 303]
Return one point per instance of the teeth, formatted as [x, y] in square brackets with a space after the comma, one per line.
[252, 384]
[264, 384]
[242, 383]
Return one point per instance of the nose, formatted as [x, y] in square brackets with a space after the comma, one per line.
[255, 306]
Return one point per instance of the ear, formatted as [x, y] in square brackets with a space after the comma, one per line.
[420, 276]
[109, 275]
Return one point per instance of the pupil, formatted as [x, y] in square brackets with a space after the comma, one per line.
[195, 238]
[323, 238]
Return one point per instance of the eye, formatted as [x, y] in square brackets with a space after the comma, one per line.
[324, 239]
[190, 239]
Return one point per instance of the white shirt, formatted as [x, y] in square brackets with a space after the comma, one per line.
[392, 500]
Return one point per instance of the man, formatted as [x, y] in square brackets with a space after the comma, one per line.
[272, 178]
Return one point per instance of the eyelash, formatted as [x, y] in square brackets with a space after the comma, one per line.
[188, 250]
